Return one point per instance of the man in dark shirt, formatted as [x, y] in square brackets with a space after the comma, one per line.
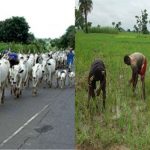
[97, 73]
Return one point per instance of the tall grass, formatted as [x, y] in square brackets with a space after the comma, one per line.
[19, 47]
[126, 121]
[109, 30]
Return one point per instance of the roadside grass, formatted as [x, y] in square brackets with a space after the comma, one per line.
[126, 121]
[22, 48]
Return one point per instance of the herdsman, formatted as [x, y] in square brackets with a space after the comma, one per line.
[12, 57]
[97, 73]
[138, 64]
[70, 58]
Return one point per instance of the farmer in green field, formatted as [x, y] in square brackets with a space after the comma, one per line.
[97, 73]
[138, 64]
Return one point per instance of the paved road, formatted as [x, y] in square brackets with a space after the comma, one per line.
[45, 121]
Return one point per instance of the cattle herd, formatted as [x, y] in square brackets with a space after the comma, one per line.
[34, 70]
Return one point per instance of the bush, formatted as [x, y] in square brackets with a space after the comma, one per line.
[22, 48]
[109, 30]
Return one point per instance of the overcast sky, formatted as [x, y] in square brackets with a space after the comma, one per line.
[46, 18]
[107, 11]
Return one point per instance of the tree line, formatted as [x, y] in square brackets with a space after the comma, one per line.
[16, 30]
[86, 6]
[66, 40]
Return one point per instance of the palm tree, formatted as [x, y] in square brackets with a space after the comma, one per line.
[113, 23]
[85, 7]
[119, 23]
[79, 20]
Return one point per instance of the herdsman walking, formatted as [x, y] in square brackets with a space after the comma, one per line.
[138, 64]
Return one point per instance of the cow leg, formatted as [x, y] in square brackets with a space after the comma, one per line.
[50, 79]
[29, 82]
[34, 91]
[68, 81]
[20, 92]
[44, 81]
[11, 90]
[26, 80]
[26, 84]
[57, 83]
[61, 86]
[17, 93]
[50, 84]
[2, 95]
[14, 91]
[64, 82]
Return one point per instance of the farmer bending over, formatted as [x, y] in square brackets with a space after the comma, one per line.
[97, 73]
[138, 64]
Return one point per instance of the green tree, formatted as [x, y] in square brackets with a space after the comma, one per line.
[118, 26]
[128, 30]
[85, 6]
[113, 23]
[55, 42]
[89, 24]
[31, 38]
[98, 26]
[79, 19]
[142, 22]
[66, 40]
[71, 36]
[15, 29]
[136, 29]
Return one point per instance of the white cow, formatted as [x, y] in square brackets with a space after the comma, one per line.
[57, 75]
[4, 72]
[36, 77]
[48, 70]
[71, 78]
[29, 64]
[19, 76]
[61, 77]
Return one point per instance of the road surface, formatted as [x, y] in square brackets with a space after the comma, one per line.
[45, 121]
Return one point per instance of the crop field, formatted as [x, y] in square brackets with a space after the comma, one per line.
[125, 124]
